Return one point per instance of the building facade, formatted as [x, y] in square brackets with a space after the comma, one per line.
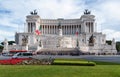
[62, 34]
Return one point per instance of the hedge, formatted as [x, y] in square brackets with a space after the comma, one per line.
[73, 62]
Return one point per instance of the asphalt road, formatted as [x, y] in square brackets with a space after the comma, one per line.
[5, 57]
[105, 58]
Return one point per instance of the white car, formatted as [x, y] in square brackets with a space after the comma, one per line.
[23, 55]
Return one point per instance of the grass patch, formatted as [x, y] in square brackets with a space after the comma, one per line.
[77, 62]
[106, 63]
[102, 69]
[59, 71]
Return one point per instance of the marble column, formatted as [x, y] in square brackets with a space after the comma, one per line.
[50, 29]
[89, 28]
[65, 29]
[85, 27]
[68, 29]
[28, 27]
[31, 27]
[53, 29]
[71, 29]
[42, 28]
[92, 26]
[46, 29]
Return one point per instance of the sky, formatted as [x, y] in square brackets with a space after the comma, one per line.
[13, 14]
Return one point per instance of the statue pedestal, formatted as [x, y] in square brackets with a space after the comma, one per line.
[5, 49]
[25, 47]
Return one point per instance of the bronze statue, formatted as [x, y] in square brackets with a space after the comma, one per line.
[59, 25]
[77, 43]
[40, 44]
[24, 40]
[87, 12]
[34, 12]
[91, 40]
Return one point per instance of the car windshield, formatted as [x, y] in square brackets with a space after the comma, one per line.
[23, 54]
[27, 54]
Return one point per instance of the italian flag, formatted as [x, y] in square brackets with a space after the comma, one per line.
[77, 32]
[38, 32]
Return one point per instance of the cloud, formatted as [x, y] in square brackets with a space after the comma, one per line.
[111, 9]
[107, 17]
[112, 34]
[109, 13]
[46, 9]
[13, 13]
[9, 35]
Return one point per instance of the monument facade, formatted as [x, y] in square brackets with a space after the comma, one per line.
[62, 34]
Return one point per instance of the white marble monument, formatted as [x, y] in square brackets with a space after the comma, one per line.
[63, 33]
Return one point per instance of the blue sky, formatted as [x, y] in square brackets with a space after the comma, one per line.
[13, 14]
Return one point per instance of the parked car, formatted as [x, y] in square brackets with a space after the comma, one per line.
[7, 54]
[23, 55]
[16, 58]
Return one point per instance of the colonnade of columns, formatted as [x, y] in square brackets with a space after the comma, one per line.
[66, 29]
[89, 27]
[31, 27]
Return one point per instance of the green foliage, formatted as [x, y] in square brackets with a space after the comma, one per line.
[74, 62]
[9, 42]
[109, 42]
[118, 46]
[2, 43]
[1, 47]
[59, 71]
[106, 63]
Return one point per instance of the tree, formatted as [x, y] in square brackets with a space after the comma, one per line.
[118, 46]
[1, 48]
[9, 42]
[109, 42]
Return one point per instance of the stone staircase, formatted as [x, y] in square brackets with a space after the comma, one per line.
[62, 51]
[33, 48]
